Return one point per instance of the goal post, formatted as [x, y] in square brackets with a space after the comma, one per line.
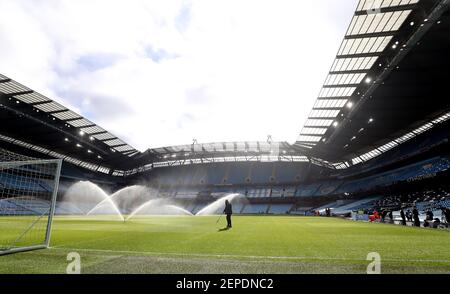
[28, 191]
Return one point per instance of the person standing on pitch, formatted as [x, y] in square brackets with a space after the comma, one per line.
[415, 213]
[228, 211]
[446, 213]
[402, 215]
[409, 215]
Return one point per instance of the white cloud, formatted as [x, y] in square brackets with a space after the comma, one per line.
[170, 71]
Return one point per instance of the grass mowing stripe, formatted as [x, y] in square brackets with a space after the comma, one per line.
[239, 256]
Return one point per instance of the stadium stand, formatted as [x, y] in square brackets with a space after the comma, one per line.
[255, 209]
[372, 130]
[280, 208]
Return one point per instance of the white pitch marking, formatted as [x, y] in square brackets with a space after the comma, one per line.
[243, 256]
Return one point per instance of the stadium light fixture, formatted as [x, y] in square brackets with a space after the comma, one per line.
[335, 124]
[370, 120]
[394, 46]
[350, 104]
[411, 23]
[81, 133]
[99, 157]
[66, 139]
[353, 138]
[368, 80]
[91, 138]
[78, 145]
[89, 151]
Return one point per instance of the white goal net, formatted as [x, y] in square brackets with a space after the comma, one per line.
[28, 188]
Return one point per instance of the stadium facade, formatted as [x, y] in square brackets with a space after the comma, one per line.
[377, 135]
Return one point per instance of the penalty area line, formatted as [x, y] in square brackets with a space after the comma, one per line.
[235, 256]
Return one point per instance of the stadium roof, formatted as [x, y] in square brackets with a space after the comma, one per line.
[32, 118]
[222, 152]
[223, 147]
[385, 83]
[36, 122]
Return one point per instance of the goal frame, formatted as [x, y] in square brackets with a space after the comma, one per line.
[51, 212]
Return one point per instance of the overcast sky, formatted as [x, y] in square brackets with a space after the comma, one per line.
[161, 73]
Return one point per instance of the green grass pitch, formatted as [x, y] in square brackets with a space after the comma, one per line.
[255, 245]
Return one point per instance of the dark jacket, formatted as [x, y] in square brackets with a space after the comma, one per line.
[228, 209]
